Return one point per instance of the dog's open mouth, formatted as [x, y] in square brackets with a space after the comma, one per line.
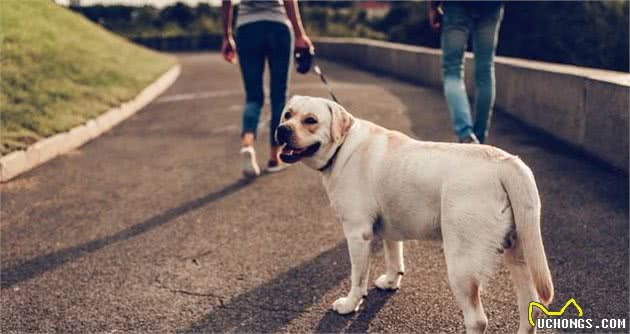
[291, 154]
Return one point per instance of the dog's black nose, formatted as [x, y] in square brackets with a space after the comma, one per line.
[283, 134]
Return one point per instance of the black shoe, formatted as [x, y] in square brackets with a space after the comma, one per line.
[470, 139]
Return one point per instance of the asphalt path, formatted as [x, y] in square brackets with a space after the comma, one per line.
[151, 229]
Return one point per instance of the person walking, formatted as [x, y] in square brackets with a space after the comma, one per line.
[265, 31]
[458, 20]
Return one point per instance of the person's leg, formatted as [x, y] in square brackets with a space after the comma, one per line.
[456, 26]
[280, 52]
[251, 58]
[485, 33]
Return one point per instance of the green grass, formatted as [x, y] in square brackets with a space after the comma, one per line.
[58, 70]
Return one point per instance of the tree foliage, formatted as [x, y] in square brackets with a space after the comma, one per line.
[583, 33]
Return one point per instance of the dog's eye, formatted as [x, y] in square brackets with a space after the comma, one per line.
[287, 115]
[310, 120]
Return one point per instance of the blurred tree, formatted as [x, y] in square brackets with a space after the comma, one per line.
[407, 22]
[589, 33]
[327, 4]
[179, 13]
[583, 33]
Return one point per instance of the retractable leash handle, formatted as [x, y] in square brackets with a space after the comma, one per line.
[304, 62]
[304, 59]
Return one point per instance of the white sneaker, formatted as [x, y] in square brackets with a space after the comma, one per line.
[250, 166]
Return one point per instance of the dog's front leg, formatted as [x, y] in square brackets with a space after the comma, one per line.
[359, 249]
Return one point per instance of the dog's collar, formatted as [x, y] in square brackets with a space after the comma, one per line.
[330, 161]
[334, 156]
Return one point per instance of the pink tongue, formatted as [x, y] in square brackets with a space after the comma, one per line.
[289, 151]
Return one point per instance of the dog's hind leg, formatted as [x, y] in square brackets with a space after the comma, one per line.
[524, 286]
[395, 266]
[468, 263]
[466, 287]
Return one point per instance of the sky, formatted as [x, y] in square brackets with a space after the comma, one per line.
[156, 3]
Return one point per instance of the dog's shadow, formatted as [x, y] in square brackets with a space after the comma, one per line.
[359, 321]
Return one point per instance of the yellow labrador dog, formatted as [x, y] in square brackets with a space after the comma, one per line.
[384, 184]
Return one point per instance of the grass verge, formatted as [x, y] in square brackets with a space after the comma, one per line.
[58, 70]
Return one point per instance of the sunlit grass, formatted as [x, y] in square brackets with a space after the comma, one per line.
[58, 70]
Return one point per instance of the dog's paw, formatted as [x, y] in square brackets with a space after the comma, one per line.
[385, 282]
[346, 305]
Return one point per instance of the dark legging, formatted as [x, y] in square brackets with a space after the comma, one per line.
[255, 43]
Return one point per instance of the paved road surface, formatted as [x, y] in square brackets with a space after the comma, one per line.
[149, 229]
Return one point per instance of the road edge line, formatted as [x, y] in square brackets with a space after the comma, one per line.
[21, 161]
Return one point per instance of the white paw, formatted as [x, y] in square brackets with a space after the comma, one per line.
[346, 305]
[385, 282]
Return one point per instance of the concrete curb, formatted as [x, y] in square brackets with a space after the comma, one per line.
[18, 162]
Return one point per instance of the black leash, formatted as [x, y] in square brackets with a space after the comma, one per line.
[305, 61]
[319, 72]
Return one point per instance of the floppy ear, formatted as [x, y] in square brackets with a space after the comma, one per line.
[340, 121]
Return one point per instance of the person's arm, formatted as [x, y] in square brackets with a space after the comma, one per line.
[228, 47]
[435, 14]
[293, 13]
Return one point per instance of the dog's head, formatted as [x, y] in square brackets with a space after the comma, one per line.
[311, 129]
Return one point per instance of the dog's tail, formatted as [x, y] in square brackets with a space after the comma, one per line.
[518, 181]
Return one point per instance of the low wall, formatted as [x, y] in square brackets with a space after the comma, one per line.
[586, 108]
[181, 43]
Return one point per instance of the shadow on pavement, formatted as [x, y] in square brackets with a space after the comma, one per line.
[360, 321]
[43, 263]
[272, 305]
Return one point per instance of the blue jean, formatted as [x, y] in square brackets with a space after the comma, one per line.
[482, 20]
[256, 43]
